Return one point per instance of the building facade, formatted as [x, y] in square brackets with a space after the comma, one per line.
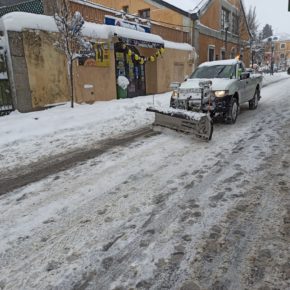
[277, 52]
[216, 28]
[222, 31]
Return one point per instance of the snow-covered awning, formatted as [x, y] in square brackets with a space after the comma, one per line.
[19, 21]
[178, 45]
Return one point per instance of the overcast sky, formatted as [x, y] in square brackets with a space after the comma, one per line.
[273, 12]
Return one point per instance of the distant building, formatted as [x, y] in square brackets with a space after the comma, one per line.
[277, 51]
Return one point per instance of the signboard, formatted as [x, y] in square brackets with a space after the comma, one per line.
[99, 57]
[114, 21]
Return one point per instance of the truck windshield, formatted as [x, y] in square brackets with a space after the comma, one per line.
[216, 71]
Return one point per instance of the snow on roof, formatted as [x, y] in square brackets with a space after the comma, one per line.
[220, 62]
[177, 45]
[18, 21]
[278, 37]
[134, 34]
[190, 6]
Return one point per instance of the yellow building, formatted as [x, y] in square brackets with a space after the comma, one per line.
[216, 28]
[277, 50]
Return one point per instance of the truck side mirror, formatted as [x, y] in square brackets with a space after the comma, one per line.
[244, 75]
[175, 85]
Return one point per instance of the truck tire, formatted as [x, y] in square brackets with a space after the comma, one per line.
[253, 104]
[233, 111]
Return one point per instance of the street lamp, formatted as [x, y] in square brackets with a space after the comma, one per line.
[272, 58]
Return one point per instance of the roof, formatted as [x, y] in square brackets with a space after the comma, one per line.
[278, 37]
[189, 8]
[32, 6]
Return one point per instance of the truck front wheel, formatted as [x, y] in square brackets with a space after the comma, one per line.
[233, 111]
[253, 104]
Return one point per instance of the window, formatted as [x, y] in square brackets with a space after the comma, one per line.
[233, 52]
[225, 19]
[282, 45]
[235, 24]
[211, 53]
[144, 13]
[125, 9]
[223, 54]
[282, 56]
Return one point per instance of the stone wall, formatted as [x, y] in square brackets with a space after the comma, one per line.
[20, 85]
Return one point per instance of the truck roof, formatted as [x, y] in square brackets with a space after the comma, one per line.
[220, 62]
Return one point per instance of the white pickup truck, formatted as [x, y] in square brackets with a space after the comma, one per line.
[219, 88]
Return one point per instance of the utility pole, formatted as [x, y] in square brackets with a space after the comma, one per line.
[226, 38]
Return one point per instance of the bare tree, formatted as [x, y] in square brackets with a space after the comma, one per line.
[252, 22]
[70, 40]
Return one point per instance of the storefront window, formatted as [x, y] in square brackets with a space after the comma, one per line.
[133, 70]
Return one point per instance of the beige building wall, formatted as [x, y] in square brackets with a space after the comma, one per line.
[173, 66]
[46, 69]
[47, 73]
[95, 83]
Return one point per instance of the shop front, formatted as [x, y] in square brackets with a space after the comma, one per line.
[133, 44]
[133, 70]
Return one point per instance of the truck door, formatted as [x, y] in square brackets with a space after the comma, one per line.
[241, 83]
[249, 88]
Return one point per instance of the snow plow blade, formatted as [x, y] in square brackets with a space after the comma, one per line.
[198, 124]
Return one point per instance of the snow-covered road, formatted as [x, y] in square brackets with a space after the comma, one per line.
[162, 212]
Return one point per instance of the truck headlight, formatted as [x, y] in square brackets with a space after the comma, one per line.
[220, 94]
[174, 94]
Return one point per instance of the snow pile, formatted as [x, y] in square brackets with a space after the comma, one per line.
[178, 113]
[123, 82]
[30, 136]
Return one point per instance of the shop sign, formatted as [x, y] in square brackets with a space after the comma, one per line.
[114, 21]
[99, 57]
